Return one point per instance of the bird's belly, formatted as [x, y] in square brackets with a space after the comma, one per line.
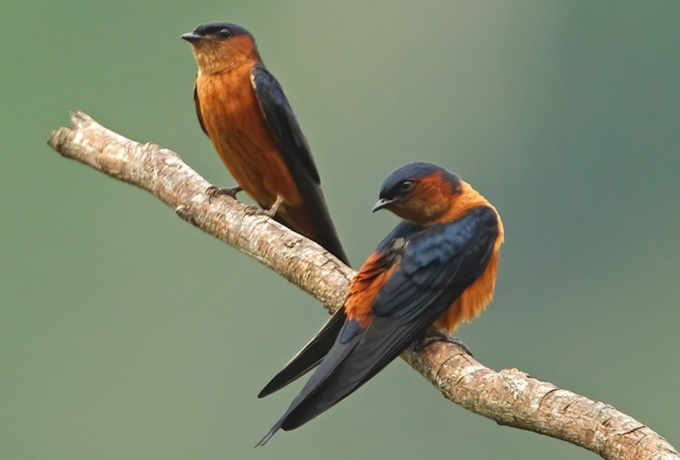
[239, 132]
[473, 300]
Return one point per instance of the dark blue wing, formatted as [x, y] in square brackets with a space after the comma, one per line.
[298, 158]
[311, 355]
[438, 264]
[282, 122]
[197, 103]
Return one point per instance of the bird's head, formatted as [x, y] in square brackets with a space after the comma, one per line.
[218, 46]
[419, 192]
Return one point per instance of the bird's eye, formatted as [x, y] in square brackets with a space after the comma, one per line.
[225, 33]
[407, 186]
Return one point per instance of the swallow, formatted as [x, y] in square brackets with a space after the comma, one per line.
[436, 269]
[246, 115]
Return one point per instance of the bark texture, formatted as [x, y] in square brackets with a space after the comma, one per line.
[510, 397]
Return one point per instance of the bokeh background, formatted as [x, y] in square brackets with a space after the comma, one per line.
[127, 333]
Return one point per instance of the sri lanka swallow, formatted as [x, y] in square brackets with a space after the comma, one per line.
[436, 269]
[244, 112]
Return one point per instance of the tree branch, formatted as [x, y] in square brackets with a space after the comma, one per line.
[509, 397]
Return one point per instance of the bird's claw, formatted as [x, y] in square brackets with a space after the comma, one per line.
[214, 191]
[254, 211]
[271, 212]
[435, 334]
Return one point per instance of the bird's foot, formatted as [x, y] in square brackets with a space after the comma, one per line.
[437, 334]
[271, 212]
[268, 212]
[255, 211]
[214, 191]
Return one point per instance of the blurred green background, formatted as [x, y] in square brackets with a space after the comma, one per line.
[126, 333]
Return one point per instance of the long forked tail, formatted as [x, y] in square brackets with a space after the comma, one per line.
[309, 357]
[305, 406]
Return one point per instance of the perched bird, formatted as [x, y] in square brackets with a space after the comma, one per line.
[242, 109]
[436, 269]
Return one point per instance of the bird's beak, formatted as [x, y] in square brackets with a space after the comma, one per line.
[192, 37]
[382, 203]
